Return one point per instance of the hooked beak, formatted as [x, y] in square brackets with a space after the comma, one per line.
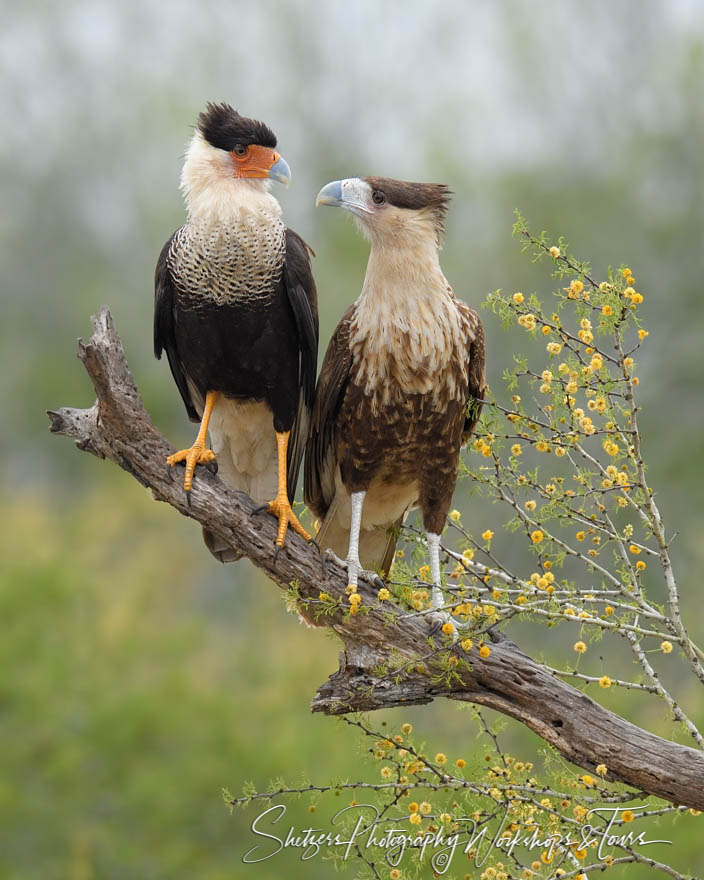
[349, 194]
[280, 171]
[330, 194]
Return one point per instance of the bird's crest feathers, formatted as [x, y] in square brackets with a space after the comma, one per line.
[434, 197]
[223, 127]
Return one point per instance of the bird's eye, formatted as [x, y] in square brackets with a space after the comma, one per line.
[240, 150]
[378, 197]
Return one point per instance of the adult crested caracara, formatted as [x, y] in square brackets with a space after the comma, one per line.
[235, 310]
[401, 385]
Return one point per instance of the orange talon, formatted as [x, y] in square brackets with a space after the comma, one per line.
[280, 506]
[197, 454]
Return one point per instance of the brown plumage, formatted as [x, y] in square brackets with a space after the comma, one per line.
[396, 397]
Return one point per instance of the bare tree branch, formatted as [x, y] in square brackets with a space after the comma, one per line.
[381, 636]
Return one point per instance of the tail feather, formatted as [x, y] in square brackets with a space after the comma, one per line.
[220, 550]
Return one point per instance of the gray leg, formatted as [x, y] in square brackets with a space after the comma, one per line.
[354, 566]
[352, 563]
[437, 615]
[434, 551]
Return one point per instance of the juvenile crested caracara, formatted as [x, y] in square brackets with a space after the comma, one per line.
[400, 387]
[235, 310]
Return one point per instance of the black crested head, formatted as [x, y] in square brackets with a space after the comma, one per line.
[223, 127]
[434, 197]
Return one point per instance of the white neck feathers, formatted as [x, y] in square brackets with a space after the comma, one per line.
[407, 327]
[213, 194]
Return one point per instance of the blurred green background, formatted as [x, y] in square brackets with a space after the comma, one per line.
[139, 676]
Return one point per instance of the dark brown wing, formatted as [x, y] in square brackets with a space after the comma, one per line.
[302, 295]
[476, 374]
[164, 326]
[321, 459]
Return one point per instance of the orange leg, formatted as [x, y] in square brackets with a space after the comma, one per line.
[197, 454]
[280, 506]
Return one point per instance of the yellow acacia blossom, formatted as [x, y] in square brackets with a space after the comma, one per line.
[466, 645]
[627, 816]
[575, 288]
[484, 651]
[441, 759]
[516, 449]
[553, 347]
[579, 647]
[666, 647]
[605, 681]
[554, 252]
[602, 769]
[383, 594]
[536, 536]
[518, 298]
[455, 515]
[527, 321]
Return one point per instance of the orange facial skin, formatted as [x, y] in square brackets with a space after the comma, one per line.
[255, 162]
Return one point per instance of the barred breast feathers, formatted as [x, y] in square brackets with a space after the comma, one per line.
[409, 334]
[233, 244]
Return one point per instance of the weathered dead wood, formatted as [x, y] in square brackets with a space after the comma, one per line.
[118, 428]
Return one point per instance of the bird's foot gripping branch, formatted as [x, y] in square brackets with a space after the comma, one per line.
[393, 657]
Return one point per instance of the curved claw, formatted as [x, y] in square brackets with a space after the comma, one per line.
[371, 577]
[281, 508]
[197, 454]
